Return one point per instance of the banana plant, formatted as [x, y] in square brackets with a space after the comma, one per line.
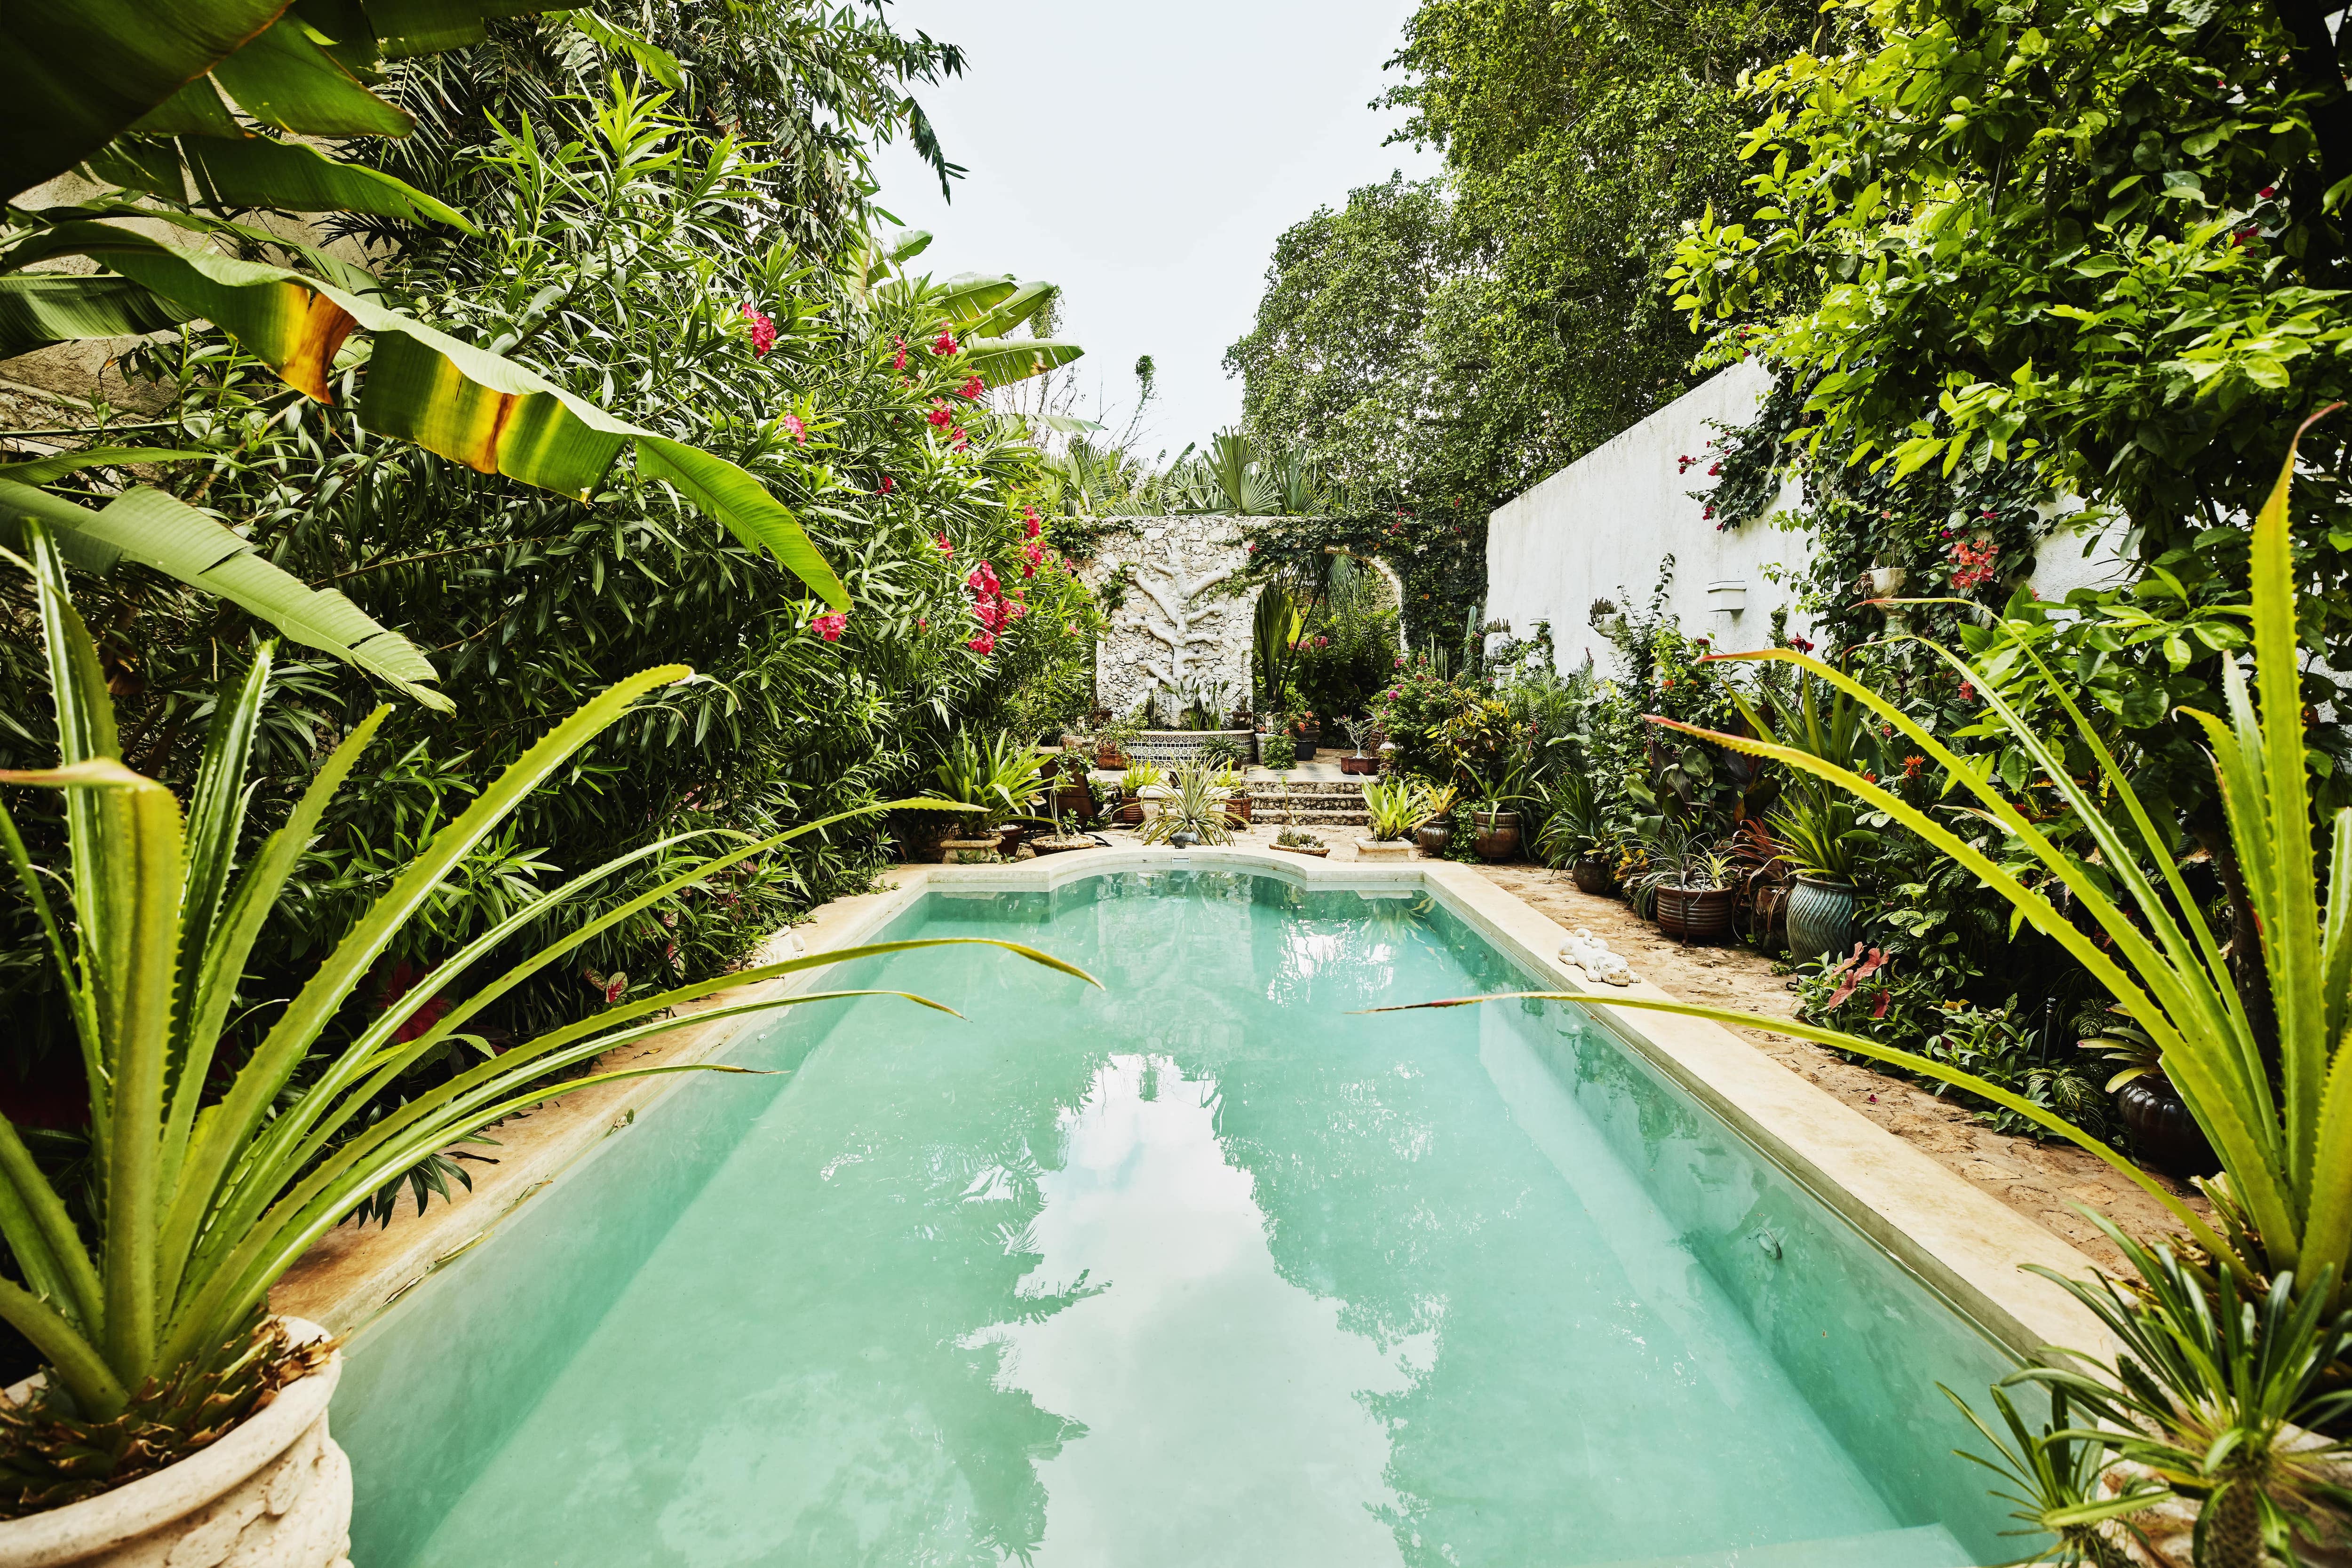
[216, 1173]
[207, 103]
[2285, 1202]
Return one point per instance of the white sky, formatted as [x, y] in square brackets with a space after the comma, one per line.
[1146, 157]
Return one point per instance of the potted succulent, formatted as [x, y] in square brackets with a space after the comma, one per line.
[173, 1419]
[1299, 841]
[1362, 733]
[1817, 834]
[1112, 740]
[1435, 830]
[1393, 806]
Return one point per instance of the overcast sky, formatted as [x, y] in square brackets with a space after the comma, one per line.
[1145, 157]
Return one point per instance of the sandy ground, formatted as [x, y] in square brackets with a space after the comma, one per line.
[2049, 1183]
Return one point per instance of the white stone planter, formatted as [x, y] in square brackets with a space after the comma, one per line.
[274, 1493]
[1152, 795]
[1383, 849]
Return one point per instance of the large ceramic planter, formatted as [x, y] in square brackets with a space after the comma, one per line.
[1433, 835]
[274, 1494]
[2162, 1130]
[1697, 914]
[1591, 875]
[1359, 765]
[1820, 918]
[1494, 834]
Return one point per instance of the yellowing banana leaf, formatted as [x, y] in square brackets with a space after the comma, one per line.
[448, 397]
[154, 529]
[262, 171]
[40, 308]
[1000, 361]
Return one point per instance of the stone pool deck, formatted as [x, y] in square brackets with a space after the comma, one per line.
[1902, 1168]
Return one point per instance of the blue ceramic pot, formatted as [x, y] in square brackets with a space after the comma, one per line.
[1820, 919]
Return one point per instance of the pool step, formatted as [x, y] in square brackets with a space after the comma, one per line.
[1926, 1546]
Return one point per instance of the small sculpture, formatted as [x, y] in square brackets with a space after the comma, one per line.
[1593, 957]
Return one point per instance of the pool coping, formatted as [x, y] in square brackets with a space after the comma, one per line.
[1965, 1245]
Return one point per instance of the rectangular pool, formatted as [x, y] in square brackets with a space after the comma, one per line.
[1196, 1269]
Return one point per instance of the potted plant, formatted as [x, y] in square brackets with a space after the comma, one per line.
[1435, 830]
[1277, 752]
[1190, 810]
[1228, 780]
[2162, 1128]
[173, 1419]
[1141, 790]
[1306, 733]
[1817, 832]
[1299, 841]
[1002, 779]
[1393, 806]
[1112, 740]
[1690, 883]
[1575, 834]
[1494, 819]
[1362, 733]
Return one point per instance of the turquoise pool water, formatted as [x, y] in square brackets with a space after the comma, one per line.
[1197, 1270]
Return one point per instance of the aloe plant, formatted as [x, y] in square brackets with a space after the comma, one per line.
[2286, 1205]
[208, 1197]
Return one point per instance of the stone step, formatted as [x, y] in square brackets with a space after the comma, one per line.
[1325, 818]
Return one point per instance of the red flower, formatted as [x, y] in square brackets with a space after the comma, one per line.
[2267, 191]
[829, 627]
[898, 359]
[1968, 692]
[887, 485]
[800, 430]
[981, 580]
[946, 344]
[959, 439]
[941, 415]
[1911, 766]
[973, 387]
[1032, 526]
[983, 643]
[946, 547]
[1801, 645]
[1035, 555]
[764, 331]
[402, 979]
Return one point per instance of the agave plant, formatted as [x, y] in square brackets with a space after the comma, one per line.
[215, 1173]
[2053, 1476]
[2286, 1204]
[1195, 804]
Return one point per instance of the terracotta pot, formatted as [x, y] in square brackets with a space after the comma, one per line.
[1129, 813]
[1359, 765]
[1820, 918]
[1433, 835]
[1075, 801]
[1494, 834]
[274, 1493]
[1109, 757]
[1237, 807]
[1591, 875]
[1696, 914]
[2163, 1131]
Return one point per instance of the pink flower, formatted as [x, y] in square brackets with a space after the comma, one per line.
[1035, 555]
[2267, 191]
[898, 359]
[941, 416]
[983, 643]
[958, 439]
[1032, 526]
[800, 430]
[829, 627]
[973, 387]
[946, 545]
[946, 344]
[764, 331]
[981, 580]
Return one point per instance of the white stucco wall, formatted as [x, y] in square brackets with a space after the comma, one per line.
[1603, 524]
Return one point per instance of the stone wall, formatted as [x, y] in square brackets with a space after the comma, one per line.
[1179, 628]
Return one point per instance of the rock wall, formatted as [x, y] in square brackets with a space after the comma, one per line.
[1178, 629]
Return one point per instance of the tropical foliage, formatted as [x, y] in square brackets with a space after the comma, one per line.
[211, 1190]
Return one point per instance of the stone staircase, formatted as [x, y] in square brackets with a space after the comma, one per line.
[1313, 802]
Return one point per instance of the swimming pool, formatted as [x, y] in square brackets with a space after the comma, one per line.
[1198, 1269]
